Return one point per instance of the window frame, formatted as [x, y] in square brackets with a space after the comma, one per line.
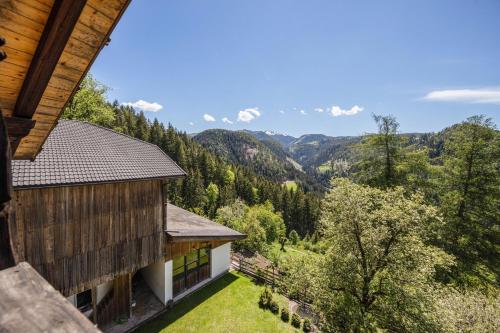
[186, 271]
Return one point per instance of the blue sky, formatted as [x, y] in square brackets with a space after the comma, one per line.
[273, 64]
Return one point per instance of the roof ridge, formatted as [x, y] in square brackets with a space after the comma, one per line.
[123, 134]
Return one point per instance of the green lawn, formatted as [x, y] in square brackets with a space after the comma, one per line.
[291, 251]
[228, 304]
[290, 185]
[324, 167]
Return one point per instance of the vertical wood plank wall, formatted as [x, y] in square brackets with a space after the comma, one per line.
[80, 236]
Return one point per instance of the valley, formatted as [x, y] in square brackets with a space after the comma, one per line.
[310, 160]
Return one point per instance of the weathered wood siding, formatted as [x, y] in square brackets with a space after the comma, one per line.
[80, 236]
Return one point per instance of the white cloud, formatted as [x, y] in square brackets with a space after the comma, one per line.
[191, 123]
[144, 106]
[282, 112]
[319, 110]
[476, 96]
[208, 118]
[248, 115]
[302, 112]
[336, 111]
[227, 121]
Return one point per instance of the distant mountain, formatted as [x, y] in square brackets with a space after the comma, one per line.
[310, 150]
[306, 159]
[284, 139]
[313, 150]
[265, 156]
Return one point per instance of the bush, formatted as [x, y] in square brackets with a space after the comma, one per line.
[274, 307]
[296, 320]
[265, 299]
[285, 315]
[294, 237]
[307, 327]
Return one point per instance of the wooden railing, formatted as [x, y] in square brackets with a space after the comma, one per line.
[270, 276]
[266, 275]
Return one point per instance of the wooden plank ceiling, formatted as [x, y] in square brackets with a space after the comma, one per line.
[36, 81]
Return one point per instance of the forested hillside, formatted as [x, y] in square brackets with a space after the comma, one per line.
[212, 182]
[322, 157]
[266, 158]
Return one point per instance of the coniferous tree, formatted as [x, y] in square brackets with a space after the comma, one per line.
[141, 127]
[156, 133]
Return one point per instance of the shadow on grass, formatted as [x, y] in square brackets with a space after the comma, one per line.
[187, 304]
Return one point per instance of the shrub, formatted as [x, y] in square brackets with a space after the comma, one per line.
[265, 299]
[307, 327]
[294, 237]
[285, 315]
[274, 307]
[296, 320]
[306, 238]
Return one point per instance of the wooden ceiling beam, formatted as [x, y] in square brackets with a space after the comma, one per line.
[19, 127]
[60, 23]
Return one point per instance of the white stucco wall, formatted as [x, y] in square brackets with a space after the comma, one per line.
[103, 289]
[221, 259]
[168, 281]
[158, 276]
[72, 299]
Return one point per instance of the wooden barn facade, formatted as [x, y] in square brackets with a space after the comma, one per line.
[90, 212]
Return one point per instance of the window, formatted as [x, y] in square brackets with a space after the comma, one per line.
[190, 270]
[84, 301]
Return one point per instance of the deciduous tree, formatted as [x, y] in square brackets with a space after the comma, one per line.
[378, 271]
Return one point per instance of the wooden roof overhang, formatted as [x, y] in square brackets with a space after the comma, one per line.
[49, 47]
[179, 238]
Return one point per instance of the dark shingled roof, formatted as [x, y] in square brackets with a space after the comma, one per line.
[186, 226]
[77, 153]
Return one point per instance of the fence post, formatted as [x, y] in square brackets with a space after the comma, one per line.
[273, 279]
[240, 264]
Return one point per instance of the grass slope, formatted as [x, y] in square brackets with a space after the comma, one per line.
[229, 304]
[291, 251]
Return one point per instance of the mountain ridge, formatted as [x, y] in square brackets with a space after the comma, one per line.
[265, 156]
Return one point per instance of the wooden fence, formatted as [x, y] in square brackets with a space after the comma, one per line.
[267, 275]
[272, 277]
